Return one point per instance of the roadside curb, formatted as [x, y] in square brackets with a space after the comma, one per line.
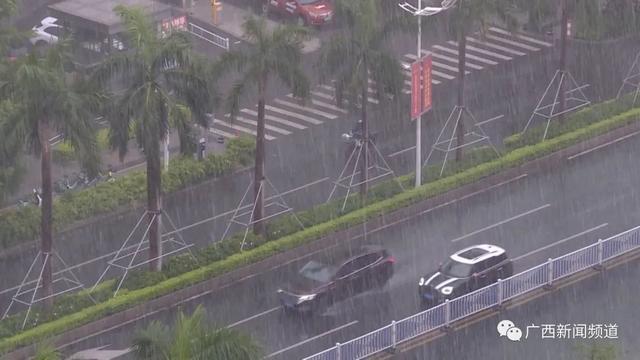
[167, 301]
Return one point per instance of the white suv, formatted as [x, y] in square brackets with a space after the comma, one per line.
[47, 32]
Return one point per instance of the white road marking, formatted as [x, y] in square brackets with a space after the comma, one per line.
[274, 119]
[266, 126]
[474, 193]
[513, 43]
[99, 354]
[494, 46]
[254, 316]
[560, 241]
[447, 67]
[603, 145]
[222, 133]
[323, 95]
[483, 51]
[240, 128]
[401, 151]
[470, 56]
[324, 104]
[520, 36]
[293, 114]
[454, 60]
[305, 108]
[332, 90]
[515, 217]
[312, 338]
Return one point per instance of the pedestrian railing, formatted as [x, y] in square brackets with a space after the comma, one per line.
[208, 36]
[493, 295]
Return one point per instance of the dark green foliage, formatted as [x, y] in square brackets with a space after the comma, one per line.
[22, 224]
[139, 279]
[577, 120]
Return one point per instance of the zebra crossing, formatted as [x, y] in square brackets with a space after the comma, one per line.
[286, 115]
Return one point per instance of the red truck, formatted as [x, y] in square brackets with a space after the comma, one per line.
[304, 12]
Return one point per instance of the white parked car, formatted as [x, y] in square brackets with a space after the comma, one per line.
[47, 32]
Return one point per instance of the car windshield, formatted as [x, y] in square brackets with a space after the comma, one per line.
[317, 271]
[456, 269]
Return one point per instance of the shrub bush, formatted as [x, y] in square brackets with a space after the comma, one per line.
[23, 224]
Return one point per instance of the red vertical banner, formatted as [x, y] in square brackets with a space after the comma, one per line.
[426, 83]
[416, 95]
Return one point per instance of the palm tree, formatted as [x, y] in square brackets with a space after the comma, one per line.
[192, 339]
[49, 101]
[357, 54]
[275, 55]
[161, 88]
[468, 15]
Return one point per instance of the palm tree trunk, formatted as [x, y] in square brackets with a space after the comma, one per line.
[154, 206]
[462, 58]
[258, 214]
[365, 133]
[564, 25]
[46, 220]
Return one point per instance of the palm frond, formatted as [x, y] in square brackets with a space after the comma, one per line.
[152, 343]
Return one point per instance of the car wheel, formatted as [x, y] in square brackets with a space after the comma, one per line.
[301, 21]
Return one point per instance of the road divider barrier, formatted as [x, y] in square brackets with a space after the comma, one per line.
[543, 275]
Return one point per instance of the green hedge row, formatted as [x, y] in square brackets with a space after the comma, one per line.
[23, 224]
[179, 273]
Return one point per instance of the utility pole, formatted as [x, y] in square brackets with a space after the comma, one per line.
[419, 119]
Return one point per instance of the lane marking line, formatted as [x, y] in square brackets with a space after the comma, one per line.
[305, 108]
[470, 56]
[515, 217]
[254, 316]
[494, 46]
[520, 36]
[603, 145]
[311, 339]
[483, 51]
[293, 114]
[266, 126]
[560, 241]
[274, 119]
[512, 43]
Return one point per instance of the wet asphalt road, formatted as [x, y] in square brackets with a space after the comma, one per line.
[595, 194]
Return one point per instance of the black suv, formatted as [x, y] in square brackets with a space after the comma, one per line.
[465, 271]
[321, 283]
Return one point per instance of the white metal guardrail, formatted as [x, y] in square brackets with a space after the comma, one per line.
[208, 36]
[493, 295]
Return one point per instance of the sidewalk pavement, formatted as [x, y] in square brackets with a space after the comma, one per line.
[231, 18]
[134, 160]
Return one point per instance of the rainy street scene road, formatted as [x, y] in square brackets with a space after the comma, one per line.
[319, 179]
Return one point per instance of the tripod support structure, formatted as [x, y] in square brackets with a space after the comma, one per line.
[244, 214]
[127, 260]
[378, 166]
[547, 107]
[632, 80]
[63, 281]
[474, 136]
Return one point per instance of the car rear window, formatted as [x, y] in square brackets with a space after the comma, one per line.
[317, 271]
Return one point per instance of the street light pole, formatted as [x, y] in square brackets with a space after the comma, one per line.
[419, 119]
[420, 12]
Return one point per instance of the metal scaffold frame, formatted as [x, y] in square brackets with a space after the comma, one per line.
[123, 254]
[352, 164]
[459, 113]
[632, 80]
[557, 83]
[239, 213]
[72, 284]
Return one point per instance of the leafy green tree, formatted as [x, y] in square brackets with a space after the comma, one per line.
[359, 53]
[275, 55]
[162, 88]
[467, 16]
[49, 101]
[192, 339]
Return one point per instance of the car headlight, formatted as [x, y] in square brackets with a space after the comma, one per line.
[304, 298]
[447, 290]
[421, 282]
